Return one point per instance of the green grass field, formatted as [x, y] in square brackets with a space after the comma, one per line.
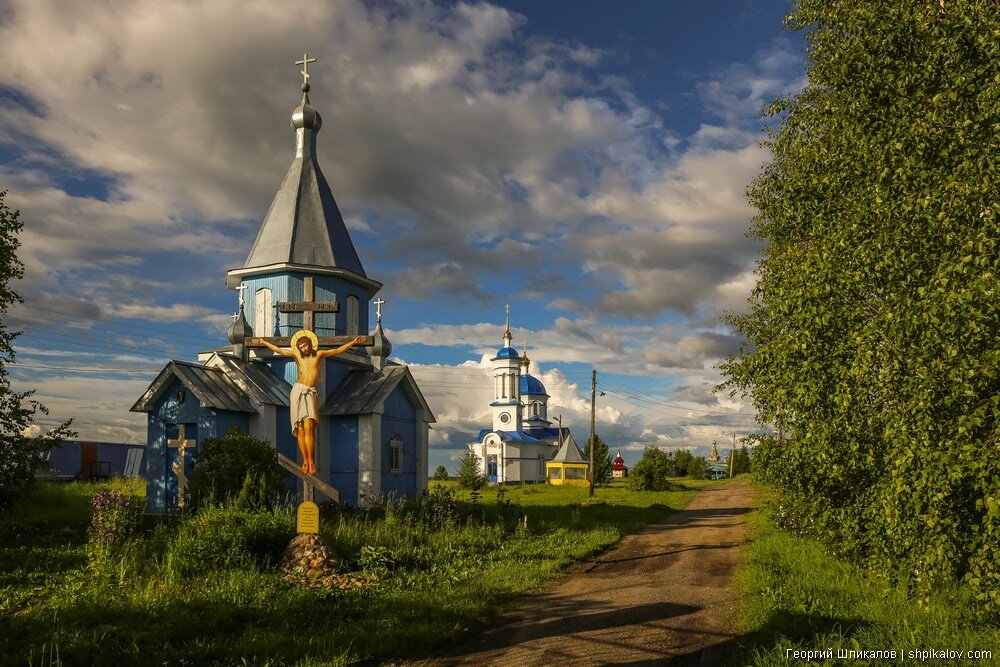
[204, 590]
[798, 596]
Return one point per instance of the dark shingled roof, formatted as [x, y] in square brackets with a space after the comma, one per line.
[210, 385]
[262, 385]
[363, 391]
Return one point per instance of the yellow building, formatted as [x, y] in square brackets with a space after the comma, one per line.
[568, 466]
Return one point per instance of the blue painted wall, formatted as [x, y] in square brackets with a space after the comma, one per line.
[163, 424]
[344, 458]
[288, 286]
[399, 416]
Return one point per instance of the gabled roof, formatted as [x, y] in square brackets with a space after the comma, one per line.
[549, 432]
[364, 392]
[212, 387]
[256, 380]
[569, 452]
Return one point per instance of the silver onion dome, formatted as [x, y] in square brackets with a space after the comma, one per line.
[381, 348]
[304, 116]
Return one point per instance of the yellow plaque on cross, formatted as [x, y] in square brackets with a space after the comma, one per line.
[308, 517]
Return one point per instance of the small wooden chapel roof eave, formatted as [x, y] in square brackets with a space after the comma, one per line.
[210, 386]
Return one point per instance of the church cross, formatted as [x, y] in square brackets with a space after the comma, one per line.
[242, 288]
[508, 317]
[378, 308]
[305, 66]
[180, 444]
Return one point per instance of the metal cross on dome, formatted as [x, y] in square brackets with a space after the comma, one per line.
[305, 66]
[378, 308]
[242, 288]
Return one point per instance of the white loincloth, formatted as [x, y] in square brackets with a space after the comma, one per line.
[303, 404]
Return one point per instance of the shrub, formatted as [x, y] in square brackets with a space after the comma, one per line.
[441, 474]
[652, 472]
[696, 467]
[228, 537]
[237, 468]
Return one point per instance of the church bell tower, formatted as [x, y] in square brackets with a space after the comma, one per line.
[506, 403]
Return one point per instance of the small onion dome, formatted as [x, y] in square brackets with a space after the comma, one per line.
[507, 353]
[304, 115]
[530, 386]
[240, 329]
[381, 348]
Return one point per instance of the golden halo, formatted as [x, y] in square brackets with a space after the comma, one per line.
[303, 333]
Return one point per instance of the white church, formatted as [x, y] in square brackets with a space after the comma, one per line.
[522, 438]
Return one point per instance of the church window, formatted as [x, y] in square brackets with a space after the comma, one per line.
[503, 385]
[352, 315]
[395, 453]
[513, 385]
[263, 317]
[534, 409]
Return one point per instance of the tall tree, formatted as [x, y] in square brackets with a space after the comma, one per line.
[602, 460]
[470, 474]
[871, 337]
[20, 453]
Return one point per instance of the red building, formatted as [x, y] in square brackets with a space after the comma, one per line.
[618, 468]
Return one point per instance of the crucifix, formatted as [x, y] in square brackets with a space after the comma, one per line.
[180, 444]
[308, 307]
[378, 309]
[305, 66]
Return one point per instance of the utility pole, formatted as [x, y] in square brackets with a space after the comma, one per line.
[593, 399]
[732, 453]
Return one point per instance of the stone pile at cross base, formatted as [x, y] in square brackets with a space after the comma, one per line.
[309, 562]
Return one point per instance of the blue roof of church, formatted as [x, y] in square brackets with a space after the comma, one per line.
[507, 353]
[549, 432]
[531, 385]
[509, 436]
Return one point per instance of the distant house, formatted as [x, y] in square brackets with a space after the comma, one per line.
[87, 459]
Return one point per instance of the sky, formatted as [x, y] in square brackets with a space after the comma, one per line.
[585, 162]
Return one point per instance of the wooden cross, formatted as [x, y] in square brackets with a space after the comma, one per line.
[308, 308]
[180, 444]
[305, 66]
[378, 308]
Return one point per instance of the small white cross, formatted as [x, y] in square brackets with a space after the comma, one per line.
[305, 66]
[378, 308]
[508, 317]
[243, 287]
[235, 316]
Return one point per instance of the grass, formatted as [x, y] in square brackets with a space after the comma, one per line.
[796, 595]
[204, 590]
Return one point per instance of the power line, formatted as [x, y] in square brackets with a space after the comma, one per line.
[98, 319]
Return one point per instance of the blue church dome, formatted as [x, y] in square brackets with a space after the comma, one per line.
[531, 385]
[507, 353]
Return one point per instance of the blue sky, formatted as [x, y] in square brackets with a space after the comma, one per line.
[583, 161]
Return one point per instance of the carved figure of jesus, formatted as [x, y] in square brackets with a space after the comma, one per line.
[304, 399]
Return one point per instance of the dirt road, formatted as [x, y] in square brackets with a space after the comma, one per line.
[661, 598]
